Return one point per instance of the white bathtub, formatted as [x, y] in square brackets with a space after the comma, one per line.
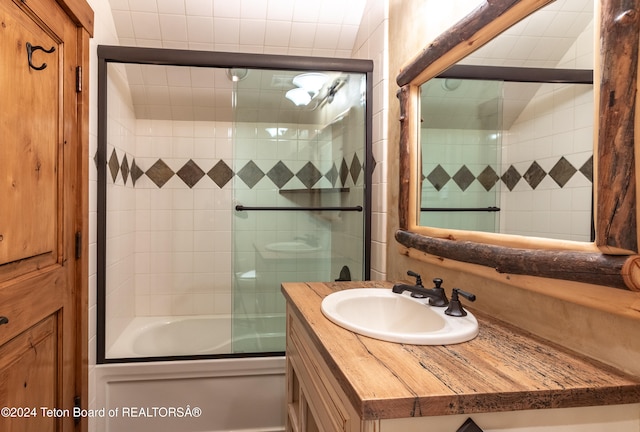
[237, 394]
[196, 335]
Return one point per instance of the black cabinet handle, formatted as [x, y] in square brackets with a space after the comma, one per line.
[4, 320]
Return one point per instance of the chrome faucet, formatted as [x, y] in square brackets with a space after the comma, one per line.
[436, 295]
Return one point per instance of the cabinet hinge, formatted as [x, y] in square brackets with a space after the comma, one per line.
[78, 79]
[77, 409]
[78, 245]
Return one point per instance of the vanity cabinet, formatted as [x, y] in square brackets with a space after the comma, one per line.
[340, 381]
[314, 400]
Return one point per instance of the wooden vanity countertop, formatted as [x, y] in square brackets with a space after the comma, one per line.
[502, 369]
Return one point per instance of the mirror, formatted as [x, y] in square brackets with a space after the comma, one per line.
[607, 260]
[507, 133]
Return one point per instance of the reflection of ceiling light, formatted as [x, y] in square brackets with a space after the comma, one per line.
[298, 96]
[451, 84]
[312, 82]
[237, 74]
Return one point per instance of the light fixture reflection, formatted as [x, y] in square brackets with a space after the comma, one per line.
[451, 84]
[298, 96]
[237, 74]
[312, 82]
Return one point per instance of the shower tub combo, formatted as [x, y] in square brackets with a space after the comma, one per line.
[224, 394]
[201, 215]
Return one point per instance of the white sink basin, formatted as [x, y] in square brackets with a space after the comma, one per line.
[382, 314]
[291, 246]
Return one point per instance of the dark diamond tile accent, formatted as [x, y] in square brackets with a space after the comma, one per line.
[114, 166]
[511, 177]
[355, 169]
[562, 172]
[488, 178]
[221, 174]
[332, 175]
[159, 173]
[136, 172]
[96, 158]
[190, 173]
[251, 174]
[280, 174]
[124, 169]
[438, 177]
[344, 172]
[309, 175]
[463, 178]
[587, 169]
[534, 175]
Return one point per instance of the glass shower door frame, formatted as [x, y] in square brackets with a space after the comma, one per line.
[153, 56]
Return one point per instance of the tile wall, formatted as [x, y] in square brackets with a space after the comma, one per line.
[372, 42]
[171, 200]
[551, 145]
[121, 208]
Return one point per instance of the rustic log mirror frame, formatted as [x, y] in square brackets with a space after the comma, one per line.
[612, 259]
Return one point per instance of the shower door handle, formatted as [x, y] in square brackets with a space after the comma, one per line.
[245, 208]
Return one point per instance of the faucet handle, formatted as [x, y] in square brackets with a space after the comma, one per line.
[455, 307]
[417, 276]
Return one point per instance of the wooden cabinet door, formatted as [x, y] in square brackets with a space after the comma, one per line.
[40, 206]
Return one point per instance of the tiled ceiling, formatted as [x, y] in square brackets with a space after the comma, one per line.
[297, 27]
[540, 40]
[325, 28]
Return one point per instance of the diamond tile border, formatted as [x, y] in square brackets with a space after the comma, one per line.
[561, 173]
[339, 173]
[280, 174]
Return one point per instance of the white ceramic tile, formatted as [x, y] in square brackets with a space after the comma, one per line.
[200, 29]
[119, 4]
[277, 33]
[330, 36]
[226, 30]
[171, 7]
[226, 8]
[253, 9]
[280, 10]
[252, 32]
[143, 6]
[302, 34]
[202, 8]
[173, 28]
[147, 25]
[124, 25]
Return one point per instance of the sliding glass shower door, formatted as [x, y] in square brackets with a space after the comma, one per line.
[215, 185]
[299, 192]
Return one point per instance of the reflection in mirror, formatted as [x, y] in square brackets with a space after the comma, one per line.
[514, 157]
[508, 157]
